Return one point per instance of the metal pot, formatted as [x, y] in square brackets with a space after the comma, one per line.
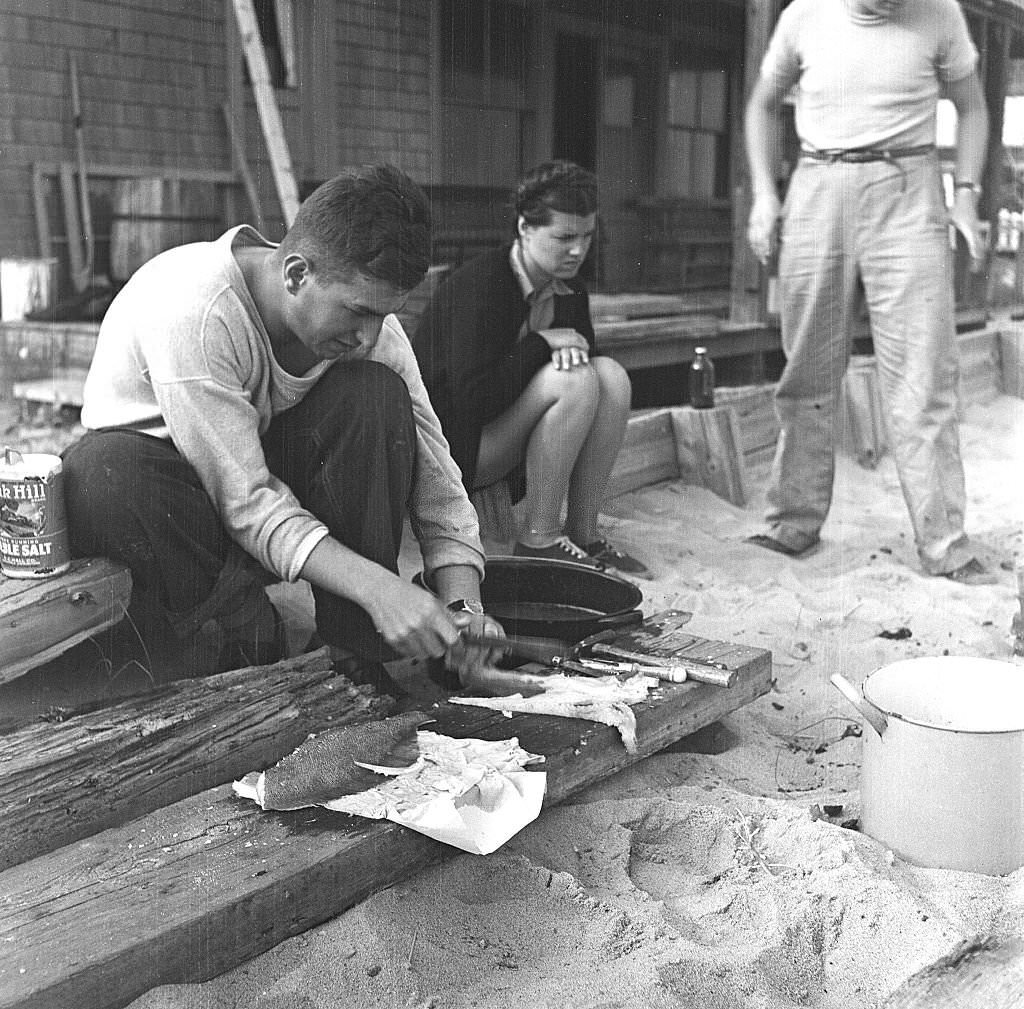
[942, 779]
[557, 599]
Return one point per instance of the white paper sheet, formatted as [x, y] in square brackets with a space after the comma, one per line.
[469, 793]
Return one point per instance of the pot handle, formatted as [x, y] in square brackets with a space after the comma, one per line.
[627, 619]
[873, 715]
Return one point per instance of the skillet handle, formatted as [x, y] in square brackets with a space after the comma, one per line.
[874, 716]
[628, 619]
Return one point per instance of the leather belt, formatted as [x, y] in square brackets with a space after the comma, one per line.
[861, 155]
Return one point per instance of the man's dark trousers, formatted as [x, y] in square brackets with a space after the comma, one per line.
[346, 451]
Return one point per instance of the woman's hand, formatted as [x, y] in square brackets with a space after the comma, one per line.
[569, 349]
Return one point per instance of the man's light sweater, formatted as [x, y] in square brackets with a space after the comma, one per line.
[183, 355]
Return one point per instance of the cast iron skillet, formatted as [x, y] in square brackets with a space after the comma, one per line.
[556, 599]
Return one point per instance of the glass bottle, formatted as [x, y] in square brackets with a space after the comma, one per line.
[702, 380]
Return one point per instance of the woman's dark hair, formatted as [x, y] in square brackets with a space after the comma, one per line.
[374, 220]
[555, 185]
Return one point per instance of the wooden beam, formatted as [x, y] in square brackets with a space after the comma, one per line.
[42, 618]
[242, 167]
[72, 224]
[203, 885]
[111, 171]
[65, 780]
[42, 216]
[747, 302]
[266, 105]
[669, 346]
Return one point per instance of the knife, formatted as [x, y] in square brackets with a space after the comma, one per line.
[524, 647]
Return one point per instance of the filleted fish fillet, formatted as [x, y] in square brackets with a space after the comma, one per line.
[326, 766]
[604, 699]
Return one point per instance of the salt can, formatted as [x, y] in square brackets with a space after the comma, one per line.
[33, 524]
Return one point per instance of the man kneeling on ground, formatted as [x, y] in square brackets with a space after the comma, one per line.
[255, 413]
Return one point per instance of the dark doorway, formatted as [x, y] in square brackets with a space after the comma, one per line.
[576, 80]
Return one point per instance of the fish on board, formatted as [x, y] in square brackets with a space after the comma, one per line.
[327, 766]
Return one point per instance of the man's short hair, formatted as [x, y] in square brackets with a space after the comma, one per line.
[555, 185]
[374, 220]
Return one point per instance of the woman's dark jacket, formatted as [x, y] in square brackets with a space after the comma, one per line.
[472, 361]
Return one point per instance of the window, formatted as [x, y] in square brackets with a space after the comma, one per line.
[483, 75]
[697, 133]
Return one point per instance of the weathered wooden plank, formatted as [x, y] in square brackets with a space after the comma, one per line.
[648, 454]
[623, 330]
[708, 447]
[66, 780]
[633, 348]
[41, 618]
[754, 406]
[64, 387]
[638, 306]
[201, 886]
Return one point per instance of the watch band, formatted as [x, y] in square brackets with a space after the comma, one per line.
[467, 606]
[964, 184]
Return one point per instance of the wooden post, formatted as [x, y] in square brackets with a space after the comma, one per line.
[266, 105]
[747, 304]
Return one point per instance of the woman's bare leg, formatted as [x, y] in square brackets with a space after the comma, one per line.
[597, 457]
[549, 424]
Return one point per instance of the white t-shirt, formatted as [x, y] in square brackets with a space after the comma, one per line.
[867, 82]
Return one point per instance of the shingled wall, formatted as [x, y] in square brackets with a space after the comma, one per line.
[153, 74]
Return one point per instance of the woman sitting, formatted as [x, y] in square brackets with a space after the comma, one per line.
[506, 348]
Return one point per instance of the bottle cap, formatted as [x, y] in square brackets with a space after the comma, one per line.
[700, 350]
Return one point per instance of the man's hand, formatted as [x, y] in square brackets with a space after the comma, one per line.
[964, 216]
[762, 226]
[470, 660]
[569, 349]
[412, 621]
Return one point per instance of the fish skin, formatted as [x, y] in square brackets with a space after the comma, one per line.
[323, 768]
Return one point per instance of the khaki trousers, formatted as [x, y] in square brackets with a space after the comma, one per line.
[885, 222]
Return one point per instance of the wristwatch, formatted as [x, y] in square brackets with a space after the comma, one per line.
[964, 184]
[473, 606]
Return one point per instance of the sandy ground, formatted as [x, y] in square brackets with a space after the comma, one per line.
[700, 877]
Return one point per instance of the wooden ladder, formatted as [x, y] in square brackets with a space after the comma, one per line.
[266, 105]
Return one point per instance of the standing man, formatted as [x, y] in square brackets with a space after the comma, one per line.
[866, 200]
[254, 413]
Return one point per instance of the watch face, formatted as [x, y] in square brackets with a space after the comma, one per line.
[467, 606]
